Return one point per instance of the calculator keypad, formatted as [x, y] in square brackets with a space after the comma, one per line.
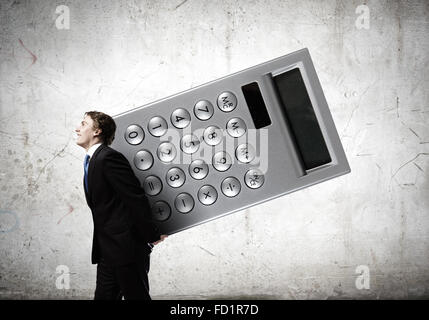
[190, 143]
[254, 178]
[203, 110]
[213, 135]
[236, 127]
[198, 169]
[245, 153]
[207, 195]
[180, 118]
[161, 211]
[221, 161]
[175, 177]
[134, 134]
[227, 101]
[166, 152]
[231, 187]
[184, 202]
[143, 160]
[157, 126]
[152, 185]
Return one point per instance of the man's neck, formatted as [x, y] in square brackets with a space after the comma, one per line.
[91, 144]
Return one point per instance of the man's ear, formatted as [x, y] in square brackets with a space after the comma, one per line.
[97, 132]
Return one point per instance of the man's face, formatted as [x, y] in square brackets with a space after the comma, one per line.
[86, 135]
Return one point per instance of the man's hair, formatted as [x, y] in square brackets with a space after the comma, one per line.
[105, 123]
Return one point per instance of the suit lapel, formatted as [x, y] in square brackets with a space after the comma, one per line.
[91, 169]
[86, 193]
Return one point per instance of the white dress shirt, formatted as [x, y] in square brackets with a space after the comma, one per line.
[92, 149]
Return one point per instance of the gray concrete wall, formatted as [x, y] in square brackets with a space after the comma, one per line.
[311, 244]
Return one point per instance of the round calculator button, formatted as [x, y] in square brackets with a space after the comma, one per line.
[198, 169]
[180, 118]
[175, 177]
[236, 127]
[166, 152]
[227, 101]
[245, 153]
[221, 161]
[189, 144]
[203, 110]
[152, 185]
[212, 135]
[157, 126]
[254, 178]
[134, 134]
[161, 211]
[184, 202]
[207, 195]
[231, 187]
[143, 160]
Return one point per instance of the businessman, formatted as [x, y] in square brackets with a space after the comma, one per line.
[123, 232]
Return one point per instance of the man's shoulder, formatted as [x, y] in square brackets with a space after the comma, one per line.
[105, 149]
[107, 152]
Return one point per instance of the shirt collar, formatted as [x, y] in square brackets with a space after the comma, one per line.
[92, 149]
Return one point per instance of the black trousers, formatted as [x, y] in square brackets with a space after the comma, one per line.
[129, 281]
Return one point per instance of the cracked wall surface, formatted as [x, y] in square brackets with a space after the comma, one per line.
[117, 55]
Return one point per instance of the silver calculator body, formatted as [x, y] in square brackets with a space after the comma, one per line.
[232, 143]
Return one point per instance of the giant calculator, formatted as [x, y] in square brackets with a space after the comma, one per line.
[232, 143]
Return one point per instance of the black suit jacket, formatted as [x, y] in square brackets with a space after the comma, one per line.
[120, 209]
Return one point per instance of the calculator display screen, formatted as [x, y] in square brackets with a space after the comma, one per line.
[303, 123]
[255, 102]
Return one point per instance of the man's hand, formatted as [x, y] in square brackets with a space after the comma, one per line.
[163, 236]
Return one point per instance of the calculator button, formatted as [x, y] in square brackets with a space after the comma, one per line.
[157, 126]
[221, 161]
[184, 202]
[175, 177]
[189, 144]
[254, 178]
[236, 127]
[152, 185]
[160, 211]
[143, 160]
[180, 118]
[227, 101]
[245, 153]
[230, 187]
[198, 169]
[166, 152]
[207, 195]
[212, 135]
[203, 110]
[134, 134]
